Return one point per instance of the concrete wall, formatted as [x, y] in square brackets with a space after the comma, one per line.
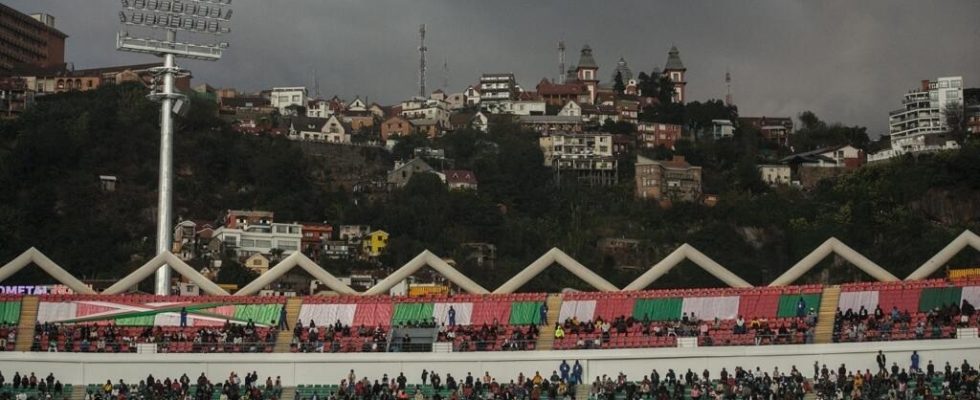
[331, 368]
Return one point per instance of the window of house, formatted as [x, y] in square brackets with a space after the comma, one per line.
[263, 244]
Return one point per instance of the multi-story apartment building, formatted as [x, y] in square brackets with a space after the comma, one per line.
[282, 97]
[262, 238]
[237, 218]
[773, 129]
[15, 97]
[654, 134]
[314, 236]
[585, 157]
[495, 88]
[30, 40]
[675, 179]
[920, 124]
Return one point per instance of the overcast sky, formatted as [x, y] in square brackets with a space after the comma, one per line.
[846, 60]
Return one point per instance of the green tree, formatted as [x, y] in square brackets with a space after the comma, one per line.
[233, 273]
[618, 85]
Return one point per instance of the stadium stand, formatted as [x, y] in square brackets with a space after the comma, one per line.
[728, 316]
[930, 309]
[96, 323]
[9, 317]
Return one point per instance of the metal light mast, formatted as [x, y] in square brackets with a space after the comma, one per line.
[200, 17]
[422, 50]
[728, 87]
[561, 61]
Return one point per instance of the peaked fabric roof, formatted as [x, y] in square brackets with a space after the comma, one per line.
[687, 252]
[674, 60]
[835, 246]
[585, 59]
[555, 256]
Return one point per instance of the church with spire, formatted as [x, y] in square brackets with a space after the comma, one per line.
[582, 83]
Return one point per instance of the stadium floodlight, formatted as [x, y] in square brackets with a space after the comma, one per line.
[200, 17]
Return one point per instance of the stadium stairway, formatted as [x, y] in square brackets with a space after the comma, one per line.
[546, 336]
[824, 332]
[78, 393]
[288, 393]
[285, 337]
[28, 317]
[582, 391]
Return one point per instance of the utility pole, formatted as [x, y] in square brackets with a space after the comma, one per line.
[422, 50]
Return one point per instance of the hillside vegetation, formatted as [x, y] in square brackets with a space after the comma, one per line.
[897, 214]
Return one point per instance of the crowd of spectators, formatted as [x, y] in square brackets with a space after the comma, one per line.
[337, 338]
[112, 338]
[863, 325]
[487, 336]
[895, 383]
[741, 384]
[436, 387]
[233, 388]
[598, 333]
[8, 335]
[887, 381]
[22, 387]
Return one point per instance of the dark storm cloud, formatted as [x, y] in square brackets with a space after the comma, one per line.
[845, 60]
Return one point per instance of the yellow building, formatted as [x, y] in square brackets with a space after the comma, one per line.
[257, 263]
[375, 242]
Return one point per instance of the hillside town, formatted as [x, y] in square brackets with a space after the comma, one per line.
[596, 125]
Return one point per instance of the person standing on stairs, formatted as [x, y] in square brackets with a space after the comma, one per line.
[452, 316]
[544, 314]
[282, 318]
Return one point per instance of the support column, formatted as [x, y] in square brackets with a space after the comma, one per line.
[165, 190]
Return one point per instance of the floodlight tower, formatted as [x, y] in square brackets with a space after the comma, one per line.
[201, 17]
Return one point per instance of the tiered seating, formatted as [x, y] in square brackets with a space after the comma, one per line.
[9, 317]
[83, 323]
[908, 310]
[493, 322]
[340, 320]
[361, 320]
[655, 318]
